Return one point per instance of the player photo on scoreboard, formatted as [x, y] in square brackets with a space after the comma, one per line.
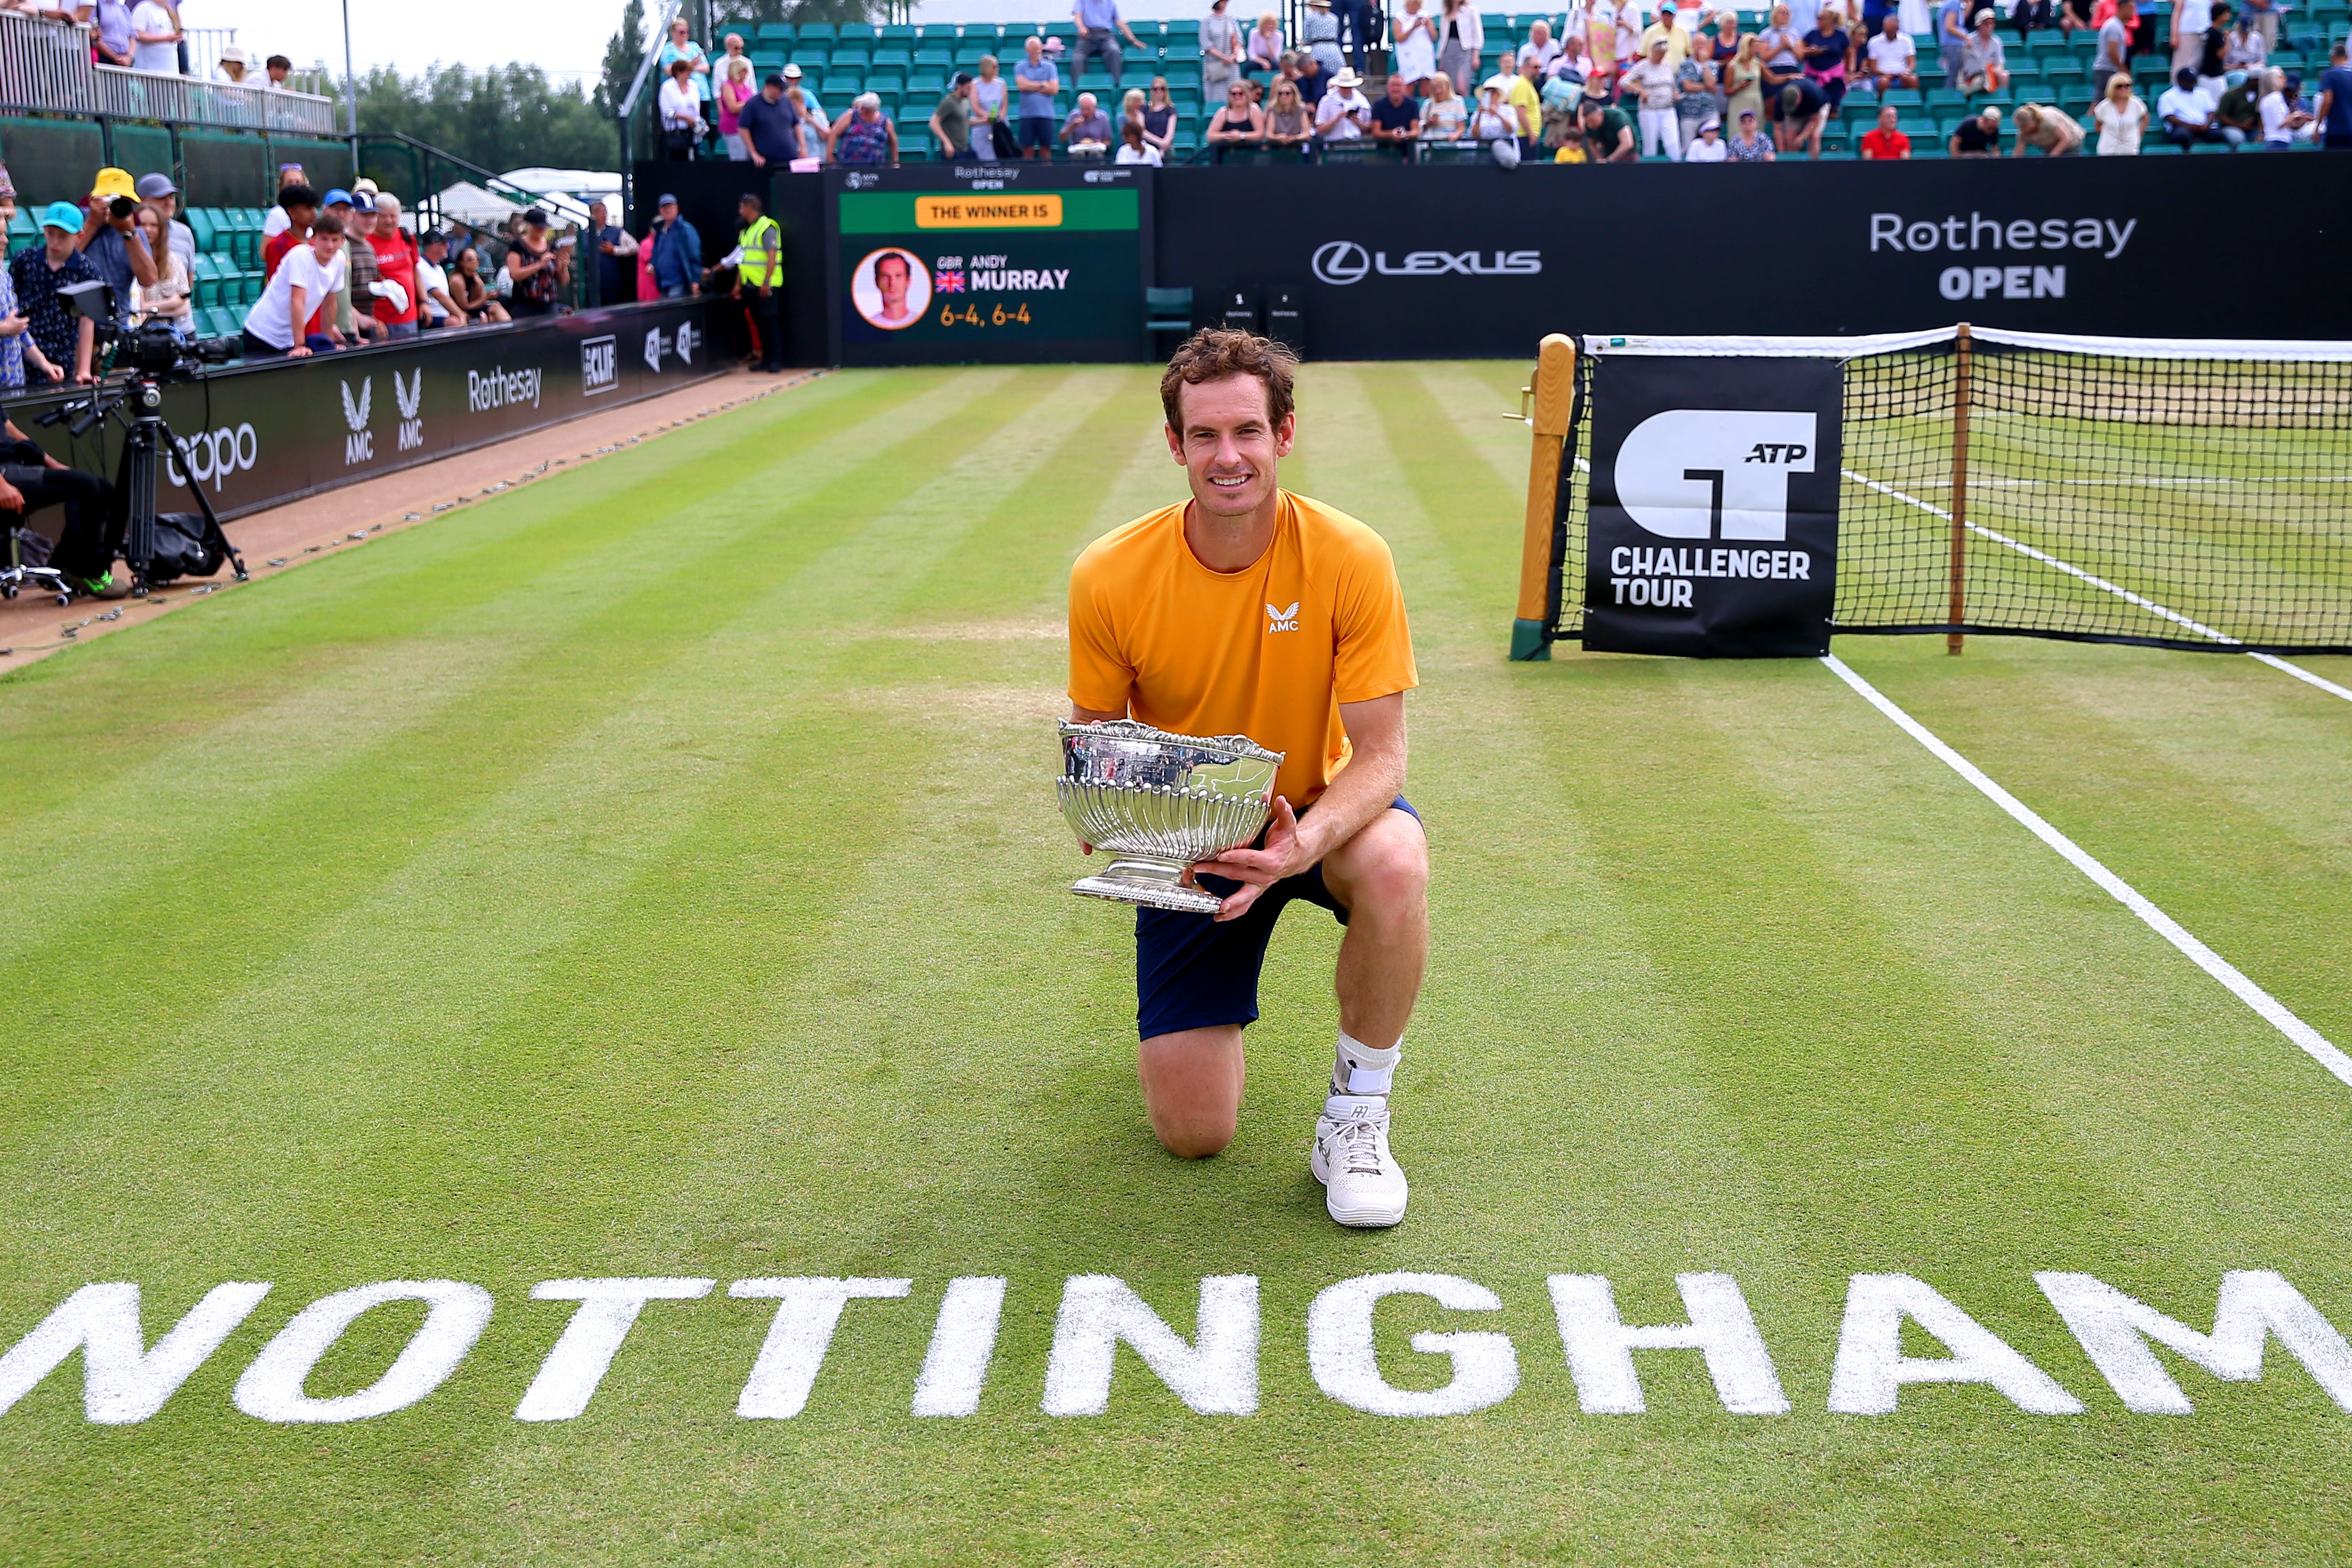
[890, 288]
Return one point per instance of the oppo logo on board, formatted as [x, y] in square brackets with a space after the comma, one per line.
[215, 455]
[1343, 261]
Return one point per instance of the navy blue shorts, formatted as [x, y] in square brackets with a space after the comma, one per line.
[1194, 972]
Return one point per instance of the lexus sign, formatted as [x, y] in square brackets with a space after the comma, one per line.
[1343, 261]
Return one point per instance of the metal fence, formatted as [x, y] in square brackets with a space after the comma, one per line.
[47, 66]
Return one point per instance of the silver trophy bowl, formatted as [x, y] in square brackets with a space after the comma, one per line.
[1159, 803]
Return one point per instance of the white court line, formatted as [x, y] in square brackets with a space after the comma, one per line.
[2199, 627]
[2273, 1011]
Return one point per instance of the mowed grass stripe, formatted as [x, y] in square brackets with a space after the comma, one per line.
[383, 679]
[286, 630]
[259, 893]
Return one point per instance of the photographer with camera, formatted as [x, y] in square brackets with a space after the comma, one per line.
[30, 480]
[61, 337]
[111, 241]
[311, 272]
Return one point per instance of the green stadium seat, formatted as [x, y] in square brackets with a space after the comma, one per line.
[1943, 100]
[896, 31]
[968, 54]
[1902, 98]
[779, 33]
[938, 32]
[203, 279]
[819, 33]
[858, 30]
[887, 82]
[934, 56]
[2212, 147]
[855, 56]
[2024, 70]
[892, 57]
[200, 223]
[914, 142]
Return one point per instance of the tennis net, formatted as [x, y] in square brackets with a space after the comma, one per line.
[2187, 494]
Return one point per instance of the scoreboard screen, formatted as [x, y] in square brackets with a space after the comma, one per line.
[973, 263]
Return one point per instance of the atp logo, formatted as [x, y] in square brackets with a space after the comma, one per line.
[1282, 620]
[654, 346]
[1714, 473]
[686, 340]
[410, 399]
[359, 445]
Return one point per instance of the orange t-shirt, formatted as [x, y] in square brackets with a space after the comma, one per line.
[1269, 652]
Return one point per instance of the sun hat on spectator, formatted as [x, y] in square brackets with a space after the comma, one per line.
[113, 183]
[1347, 81]
[1712, 123]
[234, 55]
[153, 185]
[792, 73]
[62, 215]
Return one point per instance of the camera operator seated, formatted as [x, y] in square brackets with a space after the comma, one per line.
[312, 273]
[30, 480]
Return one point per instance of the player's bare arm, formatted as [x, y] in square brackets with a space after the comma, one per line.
[1363, 791]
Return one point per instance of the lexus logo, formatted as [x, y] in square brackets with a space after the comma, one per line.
[1343, 261]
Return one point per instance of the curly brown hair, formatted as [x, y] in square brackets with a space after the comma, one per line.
[1218, 353]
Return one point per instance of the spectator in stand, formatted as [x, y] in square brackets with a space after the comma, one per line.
[1892, 57]
[2113, 54]
[2029, 14]
[56, 333]
[1160, 118]
[274, 225]
[2191, 18]
[613, 246]
[1698, 95]
[2247, 49]
[165, 299]
[1526, 95]
[1239, 123]
[2280, 122]
[1748, 147]
[1802, 111]
[1827, 49]
[991, 129]
[158, 192]
[734, 93]
[768, 128]
[1354, 19]
[1563, 89]
[1495, 124]
[155, 38]
[2121, 116]
[302, 290]
[1668, 27]
[1607, 132]
[276, 70]
[1264, 51]
[1318, 35]
[1099, 25]
[2187, 112]
[816, 129]
[297, 210]
[1133, 148]
[678, 250]
[1743, 77]
[440, 308]
[1569, 64]
[2054, 131]
[2264, 16]
[1977, 138]
[1461, 39]
[1396, 114]
[864, 134]
[1984, 64]
[1345, 113]
[1952, 39]
[1287, 123]
[337, 318]
[1540, 47]
[471, 291]
[396, 263]
[1038, 81]
[109, 38]
[731, 49]
[1652, 86]
[12, 321]
[679, 47]
[2236, 114]
[2334, 111]
[1412, 52]
[2212, 52]
[1707, 146]
[109, 239]
[1221, 51]
[1885, 142]
[1312, 80]
[951, 120]
[1445, 118]
[1780, 47]
[1087, 128]
[681, 112]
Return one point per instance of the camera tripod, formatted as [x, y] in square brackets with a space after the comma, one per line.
[146, 438]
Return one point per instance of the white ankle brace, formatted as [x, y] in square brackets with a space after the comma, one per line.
[1360, 1069]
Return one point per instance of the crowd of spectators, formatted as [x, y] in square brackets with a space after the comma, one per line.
[1607, 81]
[147, 35]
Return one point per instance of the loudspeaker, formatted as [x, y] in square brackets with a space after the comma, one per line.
[1286, 317]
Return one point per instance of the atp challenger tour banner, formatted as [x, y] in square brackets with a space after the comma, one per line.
[1712, 523]
[268, 432]
[977, 263]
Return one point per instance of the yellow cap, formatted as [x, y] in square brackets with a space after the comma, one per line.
[114, 182]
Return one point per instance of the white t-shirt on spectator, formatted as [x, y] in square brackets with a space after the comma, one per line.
[1706, 151]
[428, 278]
[1542, 56]
[272, 316]
[2274, 107]
[680, 106]
[2189, 105]
[1146, 154]
[276, 224]
[147, 16]
[2193, 18]
[1336, 115]
[1893, 56]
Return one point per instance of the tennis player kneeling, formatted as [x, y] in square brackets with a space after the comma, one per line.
[1252, 611]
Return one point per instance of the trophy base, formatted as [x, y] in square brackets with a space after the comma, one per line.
[1156, 883]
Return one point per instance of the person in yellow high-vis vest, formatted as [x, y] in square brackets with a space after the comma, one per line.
[759, 280]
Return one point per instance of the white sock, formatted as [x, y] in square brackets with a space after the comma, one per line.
[1361, 1070]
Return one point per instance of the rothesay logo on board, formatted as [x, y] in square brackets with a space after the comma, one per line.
[359, 444]
[1344, 261]
[501, 388]
[600, 365]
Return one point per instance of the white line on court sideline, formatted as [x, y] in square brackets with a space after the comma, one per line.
[2274, 1012]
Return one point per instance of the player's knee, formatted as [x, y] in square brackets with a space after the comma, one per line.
[1392, 871]
[1193, 1137]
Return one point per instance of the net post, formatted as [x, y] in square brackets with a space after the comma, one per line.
[1959, 508]
[1555, 395]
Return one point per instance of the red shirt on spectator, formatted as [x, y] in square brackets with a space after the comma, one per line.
[1882, 144]
[274, 249]
[395, 259]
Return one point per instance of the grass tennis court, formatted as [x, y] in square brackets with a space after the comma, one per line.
[655, 872]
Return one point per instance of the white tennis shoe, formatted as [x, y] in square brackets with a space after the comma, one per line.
[1362, 1184]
